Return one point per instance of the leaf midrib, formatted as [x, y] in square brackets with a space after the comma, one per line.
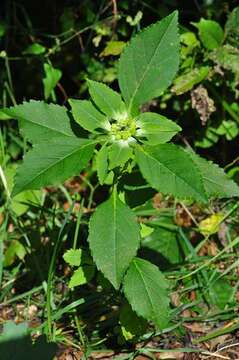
[114, 237]
[146, 289]
[148, 65]
[222, 188]
[105, 99]
[183, 180]
[52, 165]
[100, 120]
[44, 125]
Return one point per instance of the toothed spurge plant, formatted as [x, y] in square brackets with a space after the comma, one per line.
[121, 138]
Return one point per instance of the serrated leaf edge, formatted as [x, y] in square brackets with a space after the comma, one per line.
[34, 147]
[152, 318]
[116, 286]
[36, 124]
[123, 54]
[106, 100]
[200, 179]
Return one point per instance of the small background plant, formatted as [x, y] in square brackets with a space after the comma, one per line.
[146, 230]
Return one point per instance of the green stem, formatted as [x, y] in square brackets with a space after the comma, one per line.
[77, 322]
[92, 190]
[231, 112]
[207, 263]
[78, 222]
[51, 274]
[9, 76]
[80, 332]
[3, 233]
[22, 296]
[4, 182]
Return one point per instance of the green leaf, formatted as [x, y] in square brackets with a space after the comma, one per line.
[187, 81]
[106, 99]
[156, 128]
[16, 343]
[189, 42]
[150, 61]
[73, 257]
[136, 20]
[145, 230]
[232, 26]
[51, 163]
[42, 122]
[219, 292]
[165, 242]
[3, 29]
[210, 32]
[57, 153]
[119, 153]
[52, 76]
[233, 173]
[211, 224]
[34, 49]
[228, 128]
[12, 331]
[82, 276]
[166, 168]
[14, 249]
[21, 203]
[209, 138]
[131, 324]
[215, 181]
[77, 257]
[114, 238]
[102, 164]
[113, 48]
[146, 290]
[88, 116]
[227, 57]
[4, 116]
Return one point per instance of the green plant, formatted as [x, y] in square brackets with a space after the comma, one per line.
[207, 81]
[16, 342]
[121, 140]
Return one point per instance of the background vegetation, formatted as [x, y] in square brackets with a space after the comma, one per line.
[47, 51]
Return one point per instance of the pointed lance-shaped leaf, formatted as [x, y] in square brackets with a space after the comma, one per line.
[215, 180]
[52, 76]
[52, 163]
[88, 116]
[149, 62]
[157, 129]
[41, 122]
[102, 163]
[146, 290]
[210, 33]
[106, 99]
[171, 170]
[114, 238]
[57, 152]
[119, 153]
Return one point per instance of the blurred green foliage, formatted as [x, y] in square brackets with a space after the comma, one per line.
[48, 50]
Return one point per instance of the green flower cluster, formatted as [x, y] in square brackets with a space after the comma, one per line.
[123, 129]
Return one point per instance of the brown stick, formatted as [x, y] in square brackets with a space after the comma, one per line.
[115, 13]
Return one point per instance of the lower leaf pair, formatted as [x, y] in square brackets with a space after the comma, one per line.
[114, 238]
